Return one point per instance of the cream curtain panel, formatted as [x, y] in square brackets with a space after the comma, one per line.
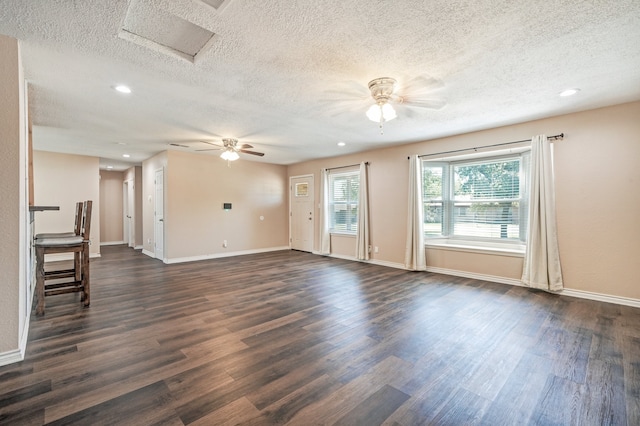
[414, 258]
[362, 232]
[325, 238]
[541, 267]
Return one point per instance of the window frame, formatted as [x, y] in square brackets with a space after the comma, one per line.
[349, 175]
[448, 202]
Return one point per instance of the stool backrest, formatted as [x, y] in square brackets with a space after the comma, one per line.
[78, 223]
[86, 220]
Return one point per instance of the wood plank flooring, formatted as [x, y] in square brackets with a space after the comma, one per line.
[294, 338]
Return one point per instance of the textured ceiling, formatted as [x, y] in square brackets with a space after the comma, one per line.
[289, 77]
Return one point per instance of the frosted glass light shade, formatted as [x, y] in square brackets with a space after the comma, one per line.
[229, 155]
[385, 111]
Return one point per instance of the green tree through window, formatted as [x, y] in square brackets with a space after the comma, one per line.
[478, 199]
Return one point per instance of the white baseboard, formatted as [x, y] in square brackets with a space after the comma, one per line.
[17, 355]
[111, 243]
[475, 276]
[372, 261]
[138, 247]
[220, 255]
[10, 357]
[618, 300]
[148, 253]
[387, 264]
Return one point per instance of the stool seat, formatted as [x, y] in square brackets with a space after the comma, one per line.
[60, 241]
[55, 235]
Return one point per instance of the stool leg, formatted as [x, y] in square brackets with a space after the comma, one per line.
[86, 276]
[39, 280]
[77, 266]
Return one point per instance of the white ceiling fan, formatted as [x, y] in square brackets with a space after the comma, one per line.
[385, 94]
[230, 149]
[388, 95]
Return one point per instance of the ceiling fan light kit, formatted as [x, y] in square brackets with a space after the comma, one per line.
[381, 91]
[229, 155]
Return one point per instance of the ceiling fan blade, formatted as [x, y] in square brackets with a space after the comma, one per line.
[424, 103]
[210, 143]
[260, 154]
[177, 144]
[421, 84]
[209, 149]
[245, 146]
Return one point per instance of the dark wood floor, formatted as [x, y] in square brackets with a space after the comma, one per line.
[293, 338]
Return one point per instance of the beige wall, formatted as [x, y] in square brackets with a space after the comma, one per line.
[62, 180]
[14, 304]
[597, 197]
[111, 206]
[196, 188]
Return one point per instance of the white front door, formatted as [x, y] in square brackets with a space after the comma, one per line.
[159, 215]
[302, 217]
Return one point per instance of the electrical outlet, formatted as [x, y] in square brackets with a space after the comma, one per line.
[375, 250]
[224, 243]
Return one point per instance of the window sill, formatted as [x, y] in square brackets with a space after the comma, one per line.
[513, 250]
[343, 234]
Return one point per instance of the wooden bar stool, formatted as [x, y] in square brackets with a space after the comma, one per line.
[77, 244]
[77, 230]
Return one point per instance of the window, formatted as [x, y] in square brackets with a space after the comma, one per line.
[479, 199]
[343, 202]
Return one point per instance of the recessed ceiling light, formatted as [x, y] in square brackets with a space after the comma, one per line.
[126, 155]
[109, 167]
[569, 92]
[122, 88]
[341, 144]
[121, 143]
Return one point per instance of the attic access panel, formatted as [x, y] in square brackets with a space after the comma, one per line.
[164, 32]
[217, 4]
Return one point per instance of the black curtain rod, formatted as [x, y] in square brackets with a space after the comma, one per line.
[344, 167]
[554, 137]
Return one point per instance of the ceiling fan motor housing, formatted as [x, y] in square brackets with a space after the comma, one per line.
[382, 89]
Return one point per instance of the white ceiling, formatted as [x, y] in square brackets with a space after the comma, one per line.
[290, 77]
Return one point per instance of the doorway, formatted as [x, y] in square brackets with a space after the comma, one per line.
[158, 216]
[302, 218]
[129, 209]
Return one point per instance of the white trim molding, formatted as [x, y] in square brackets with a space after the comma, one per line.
[372, 261]
[220, 255]
[111, 243]
[476, 276]
[148, 253]
[17, 355]
[11, 357]
[618, 300]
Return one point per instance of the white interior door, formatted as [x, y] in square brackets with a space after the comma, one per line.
[159, 215]
[302, 217]
[126, 222]
[131, 227]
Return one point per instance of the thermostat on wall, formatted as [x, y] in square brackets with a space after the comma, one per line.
[226, 206]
